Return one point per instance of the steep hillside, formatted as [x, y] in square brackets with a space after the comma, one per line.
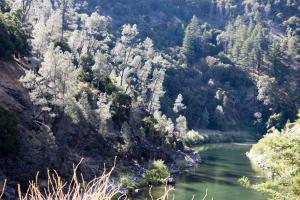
[65, 143]
[136, 79]
[13, 95]
[165, 21]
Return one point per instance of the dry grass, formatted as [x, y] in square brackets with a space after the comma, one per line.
[3, 189]
[100, 188]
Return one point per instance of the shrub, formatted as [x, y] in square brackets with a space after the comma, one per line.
[127, 183]
[149, 123]
[158, 172]
[9, 138]
[193, 138]
[278, 155]
[245, 182]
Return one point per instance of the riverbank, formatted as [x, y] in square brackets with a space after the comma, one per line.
[277, 155]
[223, 165]
[215, 136]
[134, 178]
[192, 159]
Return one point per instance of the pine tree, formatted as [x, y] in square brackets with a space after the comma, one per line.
[181, 126]
[204, 118]
[55, 82]
[218, 119]
[123, 52]
[178, 105]
[293, 46]
[191, 41]
[276, 56]
[156, 89]
[101, 69]
[104, 112]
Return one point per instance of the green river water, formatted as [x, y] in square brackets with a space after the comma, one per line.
[223, 165]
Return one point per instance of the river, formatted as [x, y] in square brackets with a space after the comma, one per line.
[223, 165]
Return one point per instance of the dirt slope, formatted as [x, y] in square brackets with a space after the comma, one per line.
[13, 95]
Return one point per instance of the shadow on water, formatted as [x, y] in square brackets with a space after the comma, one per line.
[206, 179]
[223, 165]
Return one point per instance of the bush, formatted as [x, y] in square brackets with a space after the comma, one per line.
[245, 182]
[150, 123]
[158, 172]
[278, 154]
[9, 135]
[193, 138]
[13, 38]
[127, 183]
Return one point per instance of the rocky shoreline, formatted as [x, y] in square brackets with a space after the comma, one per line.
[177, 167]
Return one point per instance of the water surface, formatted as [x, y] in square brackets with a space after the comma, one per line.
[223, 165]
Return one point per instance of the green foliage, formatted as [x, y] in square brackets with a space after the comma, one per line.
[86, 63]
[13, 38]
[199, 87]
[3, 5]
[64, 46]
[150, 124]
[193, 138]
[120, 108]
[127, 183]
[248, 42]
[279, 153]
[164, 22]
[107, 86]
[199, 41]
[157, 173]
[276, 57]
[85, 75]
[277, 121]
[9, 133]
[218, 119]
[154, 133]
[245, 182]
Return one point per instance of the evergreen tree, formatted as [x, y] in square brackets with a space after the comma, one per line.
[181, 126]
[204, 118]
[276, 57]
[191, 41]
[178, 105]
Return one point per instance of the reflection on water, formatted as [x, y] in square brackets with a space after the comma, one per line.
[223, 165]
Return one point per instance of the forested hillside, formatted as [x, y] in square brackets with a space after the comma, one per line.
[91, 96]
[225, 59]
[139, 79]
